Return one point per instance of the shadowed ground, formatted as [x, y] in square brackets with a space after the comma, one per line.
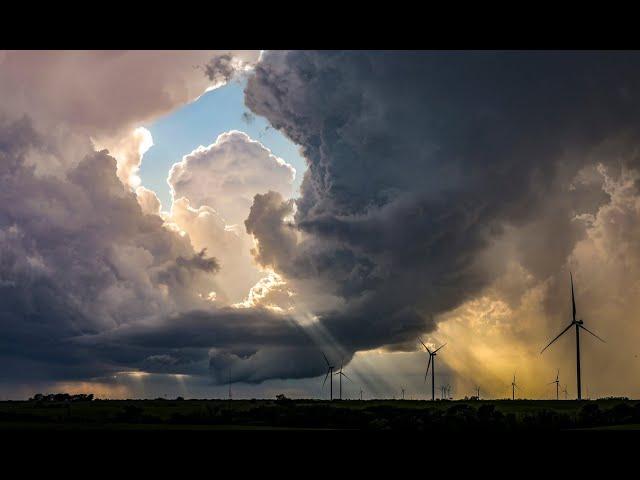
[401, 415]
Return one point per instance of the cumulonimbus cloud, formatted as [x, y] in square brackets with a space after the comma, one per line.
[93, 283]
[82, 253]
[420, 163]
[437, 185]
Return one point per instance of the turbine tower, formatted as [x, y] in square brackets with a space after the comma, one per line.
[340, 375]
[579, 324]
[513, 387]
[557, 382]
[478, 392]
[565, 392]
[330, 376]
[432, 364]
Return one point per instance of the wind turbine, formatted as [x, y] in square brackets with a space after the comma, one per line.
[513, 387]
[478, 391]
[565, 392]
[360, 394]
[330, 376]
[446, 392]
[402, 393]
[579, 325]
[340, 375]
[432, 360]
[557, 382]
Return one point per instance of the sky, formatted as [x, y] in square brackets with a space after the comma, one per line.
[199, 123]
[175, 222]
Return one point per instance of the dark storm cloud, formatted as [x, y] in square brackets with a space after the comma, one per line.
[266, 221]
[267, 363]
[79, 257]
[236, 328]
[91, 285]
[220, 69]
[418, 161]
[249, 345]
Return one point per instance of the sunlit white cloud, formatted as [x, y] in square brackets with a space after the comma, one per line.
[228, 173]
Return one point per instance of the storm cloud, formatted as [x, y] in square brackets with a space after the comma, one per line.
[421, 163]
[447, 195]
[93, 285]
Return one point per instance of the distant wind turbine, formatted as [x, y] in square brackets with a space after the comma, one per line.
[565, 392]
[579, 325]
[403, 393]
[557, 382]
[340, 375]
[513, 387]
[446, 391]
[478, 392]
[329, 375]
[432, 364]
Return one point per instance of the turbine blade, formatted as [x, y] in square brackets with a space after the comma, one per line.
[561, 333]
[573, 298]
[427, 372]
[347, 377]
[423, 344]
[325, 359]
[439, 348]
[589, 331]
[325, 379]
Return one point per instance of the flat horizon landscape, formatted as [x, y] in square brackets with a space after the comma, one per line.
[371, 415]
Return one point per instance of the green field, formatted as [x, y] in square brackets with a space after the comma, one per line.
[403, 415]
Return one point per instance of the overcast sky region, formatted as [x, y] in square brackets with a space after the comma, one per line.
[172, 222]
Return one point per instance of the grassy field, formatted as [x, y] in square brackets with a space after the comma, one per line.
[403, 415]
